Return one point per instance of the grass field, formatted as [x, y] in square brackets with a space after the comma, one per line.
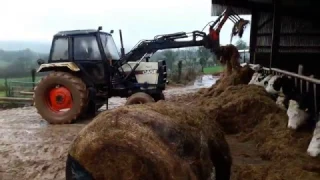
[212, 70]
[4, 63]
[2, 93]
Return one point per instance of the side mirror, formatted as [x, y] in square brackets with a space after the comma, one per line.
[40, 61]
[99, 28]
[111, 31]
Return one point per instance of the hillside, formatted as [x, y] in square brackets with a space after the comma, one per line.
[19, 45]
[18, 63]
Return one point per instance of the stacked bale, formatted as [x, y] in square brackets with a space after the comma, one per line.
[152, 141]
[250, 112]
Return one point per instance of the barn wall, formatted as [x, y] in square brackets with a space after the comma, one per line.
[299, 43]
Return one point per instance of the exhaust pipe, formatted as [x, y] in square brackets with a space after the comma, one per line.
[121, 41]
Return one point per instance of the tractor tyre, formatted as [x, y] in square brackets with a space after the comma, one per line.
[57, 91]
[158, 97]
[139, 98]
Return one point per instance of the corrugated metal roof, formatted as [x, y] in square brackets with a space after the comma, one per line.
[295, 6]
[217, 9]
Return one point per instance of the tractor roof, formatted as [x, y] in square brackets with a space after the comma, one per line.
[77, 32]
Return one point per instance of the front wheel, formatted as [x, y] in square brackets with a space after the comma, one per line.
[139, 98]
[60, 97]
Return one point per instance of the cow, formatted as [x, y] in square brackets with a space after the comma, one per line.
[282, 88]
[300, 108]
[257, 74]
[314, 145]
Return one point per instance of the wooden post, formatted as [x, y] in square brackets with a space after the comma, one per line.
[179, 70]
[315, 99]
[6, 85]
[300, 72]
[275, 32]
[33, 76]
[308, 84]
[253, 35]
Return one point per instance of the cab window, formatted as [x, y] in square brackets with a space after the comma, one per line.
[86, 48]
[60, 49]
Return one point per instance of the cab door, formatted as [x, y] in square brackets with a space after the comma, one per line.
[87, 56]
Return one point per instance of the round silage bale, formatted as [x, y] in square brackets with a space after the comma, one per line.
[236, 78]
[136, 142]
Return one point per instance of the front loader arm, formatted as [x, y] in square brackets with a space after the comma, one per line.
[166, 41]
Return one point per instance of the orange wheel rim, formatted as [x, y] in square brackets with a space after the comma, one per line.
[59, 99]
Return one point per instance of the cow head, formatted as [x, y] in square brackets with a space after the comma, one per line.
[274, 85]
[296, 116]
[278, 84]
[257, 67]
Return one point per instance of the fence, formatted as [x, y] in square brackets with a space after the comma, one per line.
[19, 91]
[302, 83]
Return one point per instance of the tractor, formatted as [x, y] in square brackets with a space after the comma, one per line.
[86, 69]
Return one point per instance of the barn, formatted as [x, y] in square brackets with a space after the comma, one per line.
[284, 33]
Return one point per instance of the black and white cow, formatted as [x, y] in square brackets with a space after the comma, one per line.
[263, 80]
[257, 73]
[256, 67]
[314, 145]
[282, 88]
[300, 108]
[301, 112]
[259, 77]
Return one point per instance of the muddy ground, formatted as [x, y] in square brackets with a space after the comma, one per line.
[32, 149]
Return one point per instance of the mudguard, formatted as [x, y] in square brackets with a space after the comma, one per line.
[47, 67]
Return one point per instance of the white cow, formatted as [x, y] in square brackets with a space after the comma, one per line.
[297, 116]
[314, 145]
[299, 108]
[260, 79]
[274, 85]
[243, 64]
[256, 67]
[280, 101]
[255, 77]
[281, 87]
[264, 81]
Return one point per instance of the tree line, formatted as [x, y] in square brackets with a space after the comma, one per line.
[18, 63]
[191, 57]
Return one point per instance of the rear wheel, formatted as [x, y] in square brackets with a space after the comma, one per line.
[60, 97]
[139, 98]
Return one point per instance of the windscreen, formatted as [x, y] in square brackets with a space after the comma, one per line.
[110, 47]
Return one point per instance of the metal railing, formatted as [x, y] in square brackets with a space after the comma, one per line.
[301, 78]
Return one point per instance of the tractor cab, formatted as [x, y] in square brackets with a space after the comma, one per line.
[87, 51]
[83, 45]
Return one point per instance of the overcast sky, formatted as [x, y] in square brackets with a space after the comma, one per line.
[38, 20]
